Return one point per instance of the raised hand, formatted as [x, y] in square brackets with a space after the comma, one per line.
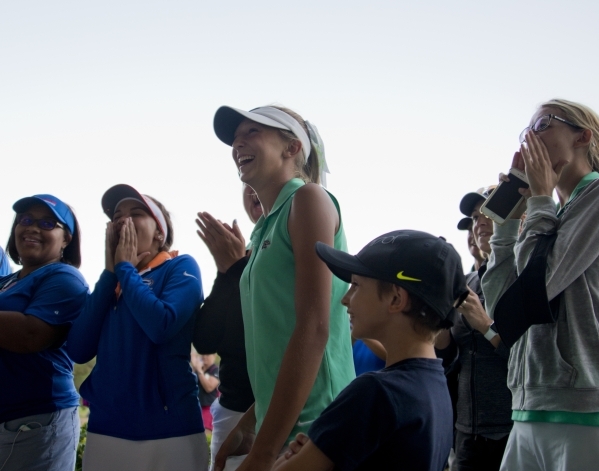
[475, 313]
[226, 243]
[126, 249]
[542, 174]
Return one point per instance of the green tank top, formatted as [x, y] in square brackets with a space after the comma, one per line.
[268, 302]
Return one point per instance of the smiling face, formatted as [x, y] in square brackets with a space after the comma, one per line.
[37, 247]
[258, 151]
[473, 248]
[368, 311]
[482, 229]
[251, 203]
[148, 235]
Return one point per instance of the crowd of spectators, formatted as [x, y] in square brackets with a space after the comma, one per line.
[495, 368]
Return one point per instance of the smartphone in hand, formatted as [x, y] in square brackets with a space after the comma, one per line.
[505, 199]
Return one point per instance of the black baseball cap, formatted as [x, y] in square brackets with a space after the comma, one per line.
[423, 264]
[465, 224]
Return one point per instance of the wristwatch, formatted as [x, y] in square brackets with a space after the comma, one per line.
[491, 333]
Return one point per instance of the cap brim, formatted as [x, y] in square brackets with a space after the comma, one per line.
[464, 224]
[25, 203]
[117, 193]
[468, 203]
[342, 264]
[228, 119]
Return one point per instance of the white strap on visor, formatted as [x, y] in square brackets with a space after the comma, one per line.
[285, 122]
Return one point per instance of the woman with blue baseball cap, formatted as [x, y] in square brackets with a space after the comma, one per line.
[39, 423]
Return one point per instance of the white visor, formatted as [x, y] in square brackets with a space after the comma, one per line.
[227, 119]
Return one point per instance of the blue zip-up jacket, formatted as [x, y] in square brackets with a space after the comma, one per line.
[142, 387]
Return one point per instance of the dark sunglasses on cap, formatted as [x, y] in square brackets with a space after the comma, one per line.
[45, 224]
[543, 123]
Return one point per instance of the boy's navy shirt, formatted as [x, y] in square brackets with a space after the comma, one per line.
[396, 418]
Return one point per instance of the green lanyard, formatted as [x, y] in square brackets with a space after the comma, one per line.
[582, 184]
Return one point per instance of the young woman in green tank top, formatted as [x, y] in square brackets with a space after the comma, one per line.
[296, 330]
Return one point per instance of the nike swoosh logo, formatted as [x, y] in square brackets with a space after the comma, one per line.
[187, 274]
[301, 424]
[401, 276]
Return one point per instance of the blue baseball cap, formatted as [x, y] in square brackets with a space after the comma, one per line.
[62, 212]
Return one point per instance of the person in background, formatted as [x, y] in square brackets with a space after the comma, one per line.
[207, 372]
[219, 324]
[452, 371]
[143, 395]
[5, 268]
[39, 423]
[483, 405]
[465, 224]
[297, 333]
[554, 367]
[368, 354]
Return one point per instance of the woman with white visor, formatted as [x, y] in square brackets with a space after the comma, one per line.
[296, 330]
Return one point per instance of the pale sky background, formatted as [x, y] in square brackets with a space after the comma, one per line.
[418, 102]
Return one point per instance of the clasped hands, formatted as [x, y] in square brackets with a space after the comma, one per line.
[122, 248]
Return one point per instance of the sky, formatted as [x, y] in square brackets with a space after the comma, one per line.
[418, 103]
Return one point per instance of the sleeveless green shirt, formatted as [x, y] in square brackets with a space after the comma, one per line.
[268, 303]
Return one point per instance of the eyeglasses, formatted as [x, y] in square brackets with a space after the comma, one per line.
[45, 224]
[543, 123]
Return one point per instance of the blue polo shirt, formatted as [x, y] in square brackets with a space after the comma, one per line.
[37, 383]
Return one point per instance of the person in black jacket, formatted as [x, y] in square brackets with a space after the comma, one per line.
[219, 324]
[484, 400]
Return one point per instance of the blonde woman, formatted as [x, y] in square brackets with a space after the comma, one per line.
[296, 331]
[554, 367]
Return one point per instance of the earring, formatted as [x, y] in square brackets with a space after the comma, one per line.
[61, 254]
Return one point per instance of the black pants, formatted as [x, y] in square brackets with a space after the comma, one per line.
[477, 453]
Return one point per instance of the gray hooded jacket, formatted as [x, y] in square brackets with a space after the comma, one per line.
[554, 367]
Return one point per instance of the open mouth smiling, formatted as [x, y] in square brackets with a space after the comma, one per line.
[244, 159]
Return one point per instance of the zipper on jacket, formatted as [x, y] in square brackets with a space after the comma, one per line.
[524, 371]
[472, 382]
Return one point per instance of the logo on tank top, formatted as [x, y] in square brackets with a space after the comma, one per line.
[265, 244]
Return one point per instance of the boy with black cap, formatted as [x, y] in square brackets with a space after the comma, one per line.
[404, 286]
